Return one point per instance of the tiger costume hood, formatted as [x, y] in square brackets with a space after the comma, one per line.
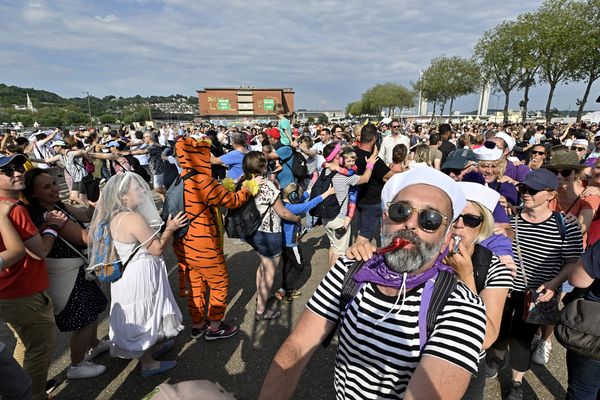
[194, 154]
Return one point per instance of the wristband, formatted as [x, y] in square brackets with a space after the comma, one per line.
[370, 165]
[50, 231]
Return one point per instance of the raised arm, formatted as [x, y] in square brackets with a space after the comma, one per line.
[291, 359]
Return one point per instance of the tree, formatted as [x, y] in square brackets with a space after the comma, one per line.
[386, 96]
[108, 119]
[448, 78]
[355, 108]
[559, 31]
[501, 63]
[587, 63]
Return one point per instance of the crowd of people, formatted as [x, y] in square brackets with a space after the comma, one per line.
[446, 244]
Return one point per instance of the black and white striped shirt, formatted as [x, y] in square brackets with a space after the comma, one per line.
[499, 275]
[376, 357]
[543, 250]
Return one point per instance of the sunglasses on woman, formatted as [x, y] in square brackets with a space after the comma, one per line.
[527, 190]
[9, 170]
[564, 172]
[470, 220]
[429, 220]
[538, 153]
[579, 148]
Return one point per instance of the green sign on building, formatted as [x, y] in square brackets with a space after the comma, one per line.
[269, 104]
[223, 104]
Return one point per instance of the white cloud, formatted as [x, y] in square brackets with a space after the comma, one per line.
[106, 18]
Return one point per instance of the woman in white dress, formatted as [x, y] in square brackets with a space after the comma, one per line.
[143, 312]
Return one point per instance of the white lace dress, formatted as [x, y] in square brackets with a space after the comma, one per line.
[143, 309]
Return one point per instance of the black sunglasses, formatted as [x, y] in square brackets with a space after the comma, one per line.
[527, 190]
[429, 220]
[539, 153]
[9, 170]
[579, 148]
[470, 220]
[564, 172]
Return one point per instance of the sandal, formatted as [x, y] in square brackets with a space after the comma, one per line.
[269, 313]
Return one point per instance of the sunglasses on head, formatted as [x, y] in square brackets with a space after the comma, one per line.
[470, 220]
[564, 172]
[9, 170]
[538, 153]
[429, 220]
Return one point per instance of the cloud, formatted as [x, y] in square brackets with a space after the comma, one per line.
[328, 51]
[106, 18]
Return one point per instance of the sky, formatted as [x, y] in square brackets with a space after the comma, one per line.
[329, 52]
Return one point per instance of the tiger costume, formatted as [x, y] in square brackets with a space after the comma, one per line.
[199, 252]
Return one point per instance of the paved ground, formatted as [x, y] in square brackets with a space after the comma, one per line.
[239, 364]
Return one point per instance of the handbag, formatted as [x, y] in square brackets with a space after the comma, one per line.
[578, 329]
[112, 272]
[92, 187]
[534, 312]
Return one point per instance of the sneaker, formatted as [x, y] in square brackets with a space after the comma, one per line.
[103, 346]
[85, 369]
[491, 368]
[541, 355]
[51, 384]
[199, 332]
[535, 343]
[516, 391]
[223, 332]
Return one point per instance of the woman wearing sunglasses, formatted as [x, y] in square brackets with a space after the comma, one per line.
[488, 165]
[538, 156]
[545, 254]
[480, 269]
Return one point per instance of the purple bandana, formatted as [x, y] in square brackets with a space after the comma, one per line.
[376, 271]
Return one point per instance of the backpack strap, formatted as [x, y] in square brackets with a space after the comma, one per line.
[560, 222]
[481, 259]
[433, 299]
[349, 290]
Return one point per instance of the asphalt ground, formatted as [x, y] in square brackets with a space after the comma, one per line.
[239, 364]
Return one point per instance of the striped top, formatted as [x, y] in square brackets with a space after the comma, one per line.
[377, 355]
[543, 250]
[341, 184]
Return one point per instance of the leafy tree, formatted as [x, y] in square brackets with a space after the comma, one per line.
[108, 119]
[587, 62]
[559, 31]
[501, 65]
[388, 95]
[323, 119]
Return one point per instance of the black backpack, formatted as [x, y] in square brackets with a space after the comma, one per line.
[299, 167]
[481, 259]
[175, 202]
[244, 221]
[330, 207]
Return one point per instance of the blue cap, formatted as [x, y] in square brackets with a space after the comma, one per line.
[113, 143]
[541, 179]
[16, 158]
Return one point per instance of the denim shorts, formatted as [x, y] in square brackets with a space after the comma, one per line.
[267, 244]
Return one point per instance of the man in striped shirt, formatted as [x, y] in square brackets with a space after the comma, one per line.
[383, 351]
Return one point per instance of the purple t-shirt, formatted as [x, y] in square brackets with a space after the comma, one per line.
[500, 215]
[516, 173]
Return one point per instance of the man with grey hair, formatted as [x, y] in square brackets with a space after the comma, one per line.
[233, 159]
[391, 344]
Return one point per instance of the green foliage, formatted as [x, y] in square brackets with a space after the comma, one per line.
[108, 119]
[323, 119]
[382, 96]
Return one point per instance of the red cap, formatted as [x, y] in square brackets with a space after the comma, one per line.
[274, 133]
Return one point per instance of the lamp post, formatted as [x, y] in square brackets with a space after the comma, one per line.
[89, 107]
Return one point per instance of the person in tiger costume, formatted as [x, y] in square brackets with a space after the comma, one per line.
[199, 252]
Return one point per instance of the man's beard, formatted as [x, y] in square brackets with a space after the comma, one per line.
[404, 260]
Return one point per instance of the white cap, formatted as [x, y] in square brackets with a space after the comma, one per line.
[486, 154]
[425, 176]
[581, 142]
[510, 142]
[481, 194]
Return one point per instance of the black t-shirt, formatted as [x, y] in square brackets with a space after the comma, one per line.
[370, 192]
[446, 148]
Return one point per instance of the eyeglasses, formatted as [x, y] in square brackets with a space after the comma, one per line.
[527, 190]
[470, 220]
[538, 153]
[564, 172]
[579, 148]
[395, 126]
[429, 220]
[10, 170]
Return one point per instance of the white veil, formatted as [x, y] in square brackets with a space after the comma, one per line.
[100, 246]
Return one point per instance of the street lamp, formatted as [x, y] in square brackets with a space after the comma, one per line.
[89, 107]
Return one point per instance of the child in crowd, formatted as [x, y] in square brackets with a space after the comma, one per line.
[293, 262]
[348, 168]
[399, 154]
